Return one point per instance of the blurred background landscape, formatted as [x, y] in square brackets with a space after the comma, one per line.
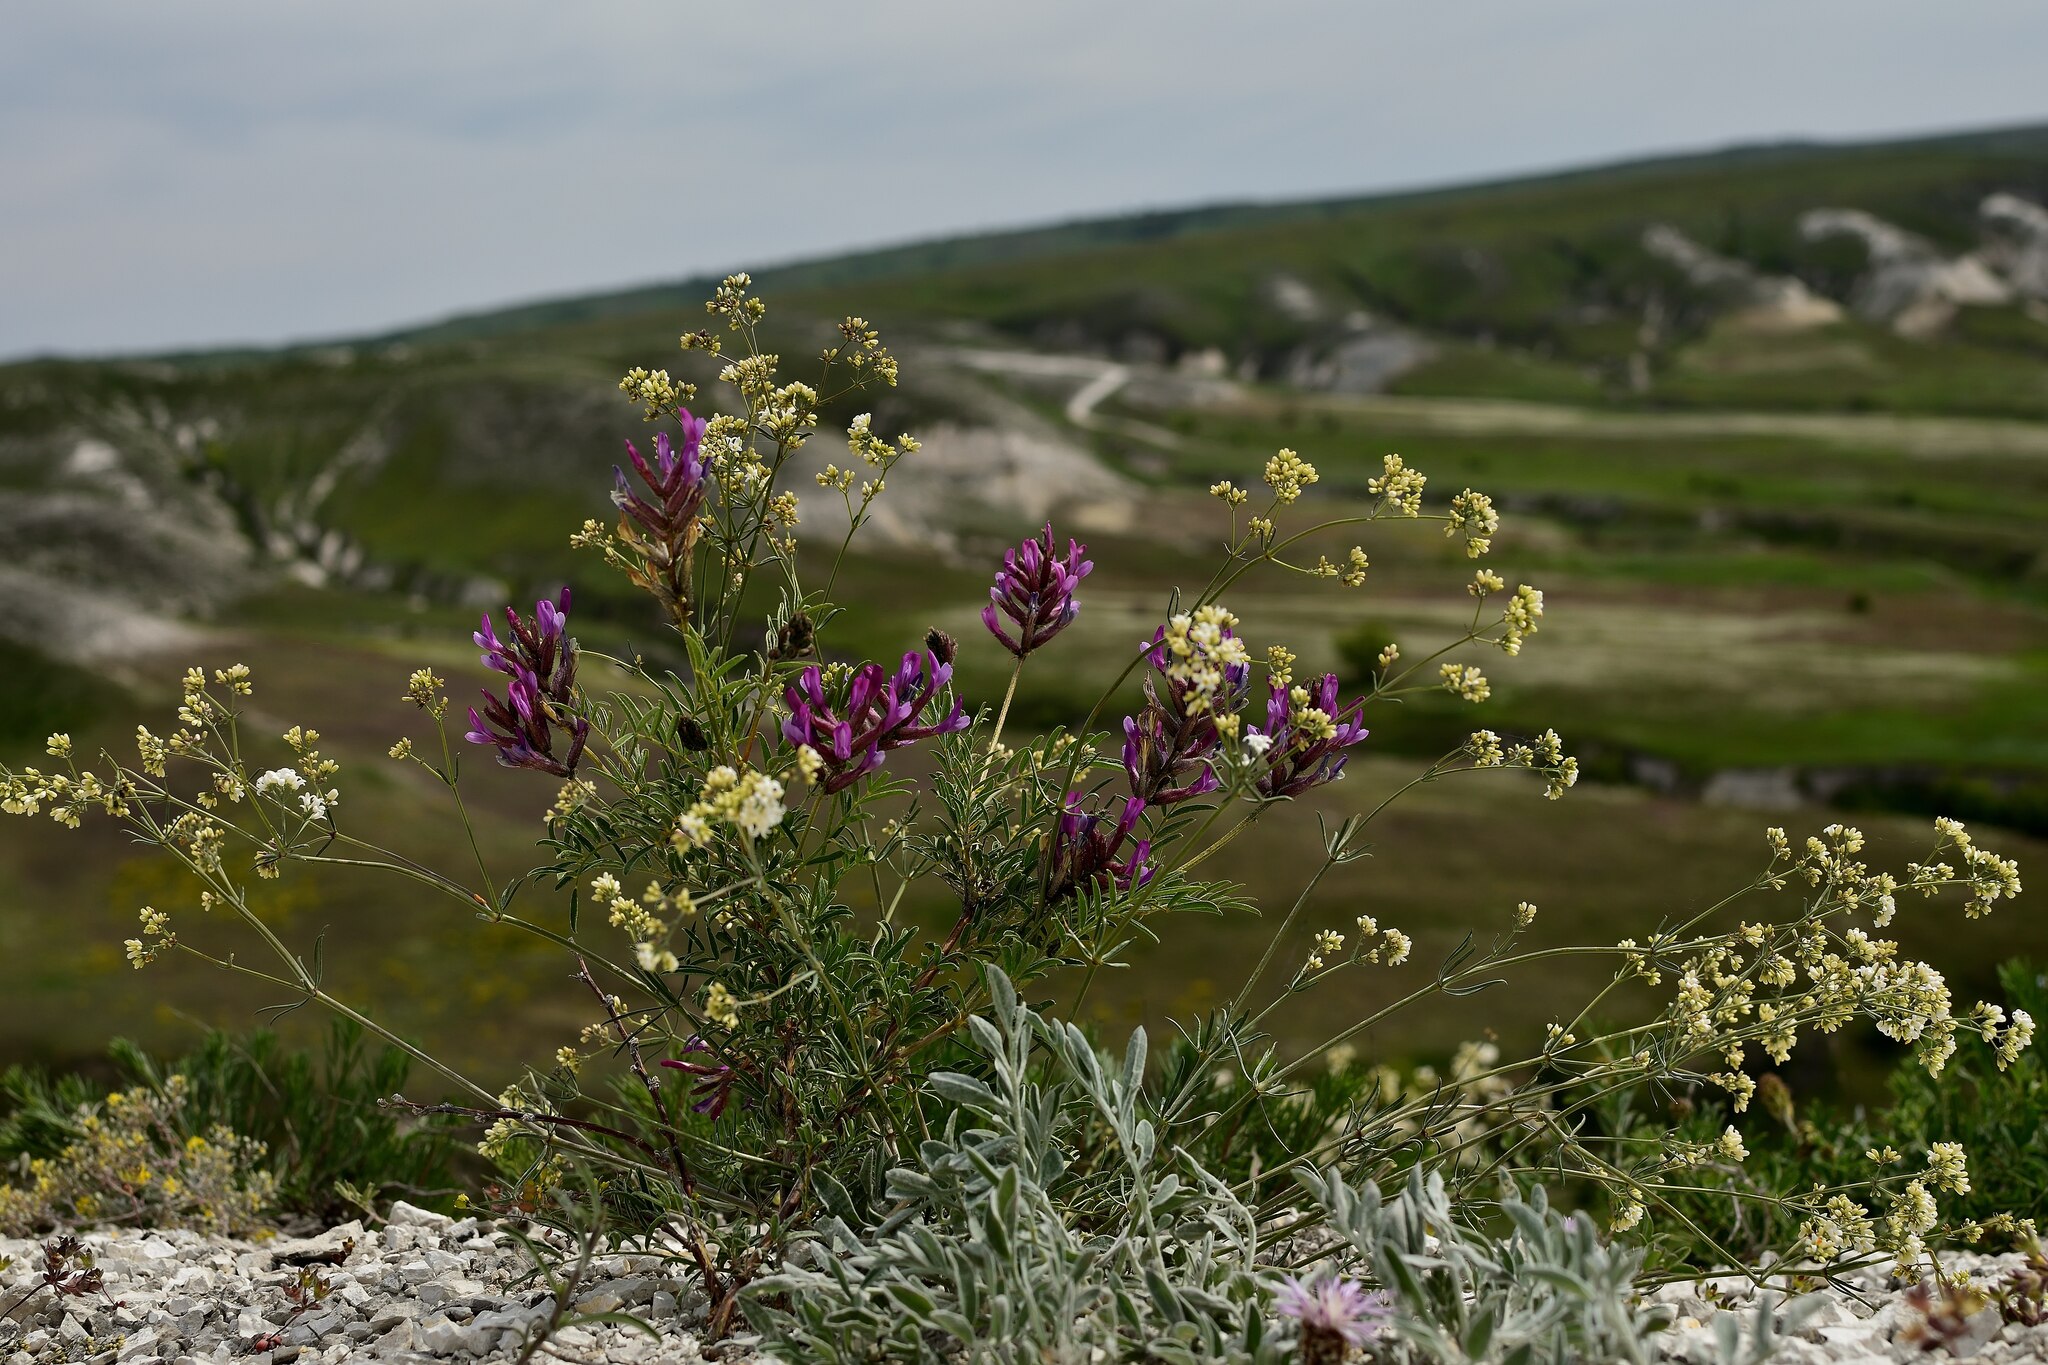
[1769, 427]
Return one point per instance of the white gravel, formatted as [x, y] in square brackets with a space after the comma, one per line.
[429, 1288]
[1860, 1320]
[422, 1288]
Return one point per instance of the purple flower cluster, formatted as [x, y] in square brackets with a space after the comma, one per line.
[1086, 847]
[540, 661]
[1307, 750]
[664, 530]
[1035, 590]
[880, 711]
[1335, 1314]
[714, 1084]
[1169, 744]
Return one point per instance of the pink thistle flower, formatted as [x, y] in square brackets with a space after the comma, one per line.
[1335, 1314]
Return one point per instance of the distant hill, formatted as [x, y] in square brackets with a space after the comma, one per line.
[1719, 183]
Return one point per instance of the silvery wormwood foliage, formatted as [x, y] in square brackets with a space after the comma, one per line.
[997, 1248]
[1543, 1290]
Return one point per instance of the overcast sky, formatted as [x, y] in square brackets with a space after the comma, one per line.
[209, 171]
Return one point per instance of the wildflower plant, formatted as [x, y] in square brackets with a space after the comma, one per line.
[735, 837]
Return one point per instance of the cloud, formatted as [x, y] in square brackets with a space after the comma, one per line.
[225, 170]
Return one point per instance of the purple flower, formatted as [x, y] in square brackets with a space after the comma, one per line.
[664, 529]
[540, 661]
[1085, 848]
[714, 1086]
[1168, 744]
[1306, 739]
[880, 711]
[1035, 589]
[1335, 1314]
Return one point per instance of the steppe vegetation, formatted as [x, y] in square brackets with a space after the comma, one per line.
[1783, 489]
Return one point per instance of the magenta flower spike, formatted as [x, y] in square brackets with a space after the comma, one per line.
[879, 712]
[1168, 746]
[539, 661]
[714, 1079]
[676, 479]
[1035, 590]
[1336, 1314]
[1085, 849]
[663, 528]
[1307, 750]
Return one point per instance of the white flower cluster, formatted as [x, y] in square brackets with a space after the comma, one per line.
[1393, 947]
[750, 802]
[311, 804]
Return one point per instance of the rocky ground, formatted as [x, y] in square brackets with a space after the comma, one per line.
[421, 1288]
[428, 1288]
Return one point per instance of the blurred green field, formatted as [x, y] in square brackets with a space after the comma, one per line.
[1780, 568]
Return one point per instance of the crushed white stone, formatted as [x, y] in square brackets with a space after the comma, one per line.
[427, 1288]
[423, 1287]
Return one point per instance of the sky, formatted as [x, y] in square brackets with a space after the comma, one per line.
[251, 171]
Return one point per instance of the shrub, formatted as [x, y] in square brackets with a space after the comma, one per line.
[327, 1142]
[734, 848]
[999, 1240]
[133, 1162]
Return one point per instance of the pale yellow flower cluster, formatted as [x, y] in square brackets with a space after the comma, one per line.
[720, 1007]
[750, 802]
[1472, 515]
[654, 391]
[1398, 487]
[1199, 648]
[861, 348]
[1287, 474]
[1328, 943]
[156, 937]
[1546, 756]
[1466, 681]
[498, 1137]
[423, 689]
[1520, 616]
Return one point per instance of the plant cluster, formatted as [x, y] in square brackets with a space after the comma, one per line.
[133, 1163]
[776, 1058]
[326, 1141]
[2000, 1112]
